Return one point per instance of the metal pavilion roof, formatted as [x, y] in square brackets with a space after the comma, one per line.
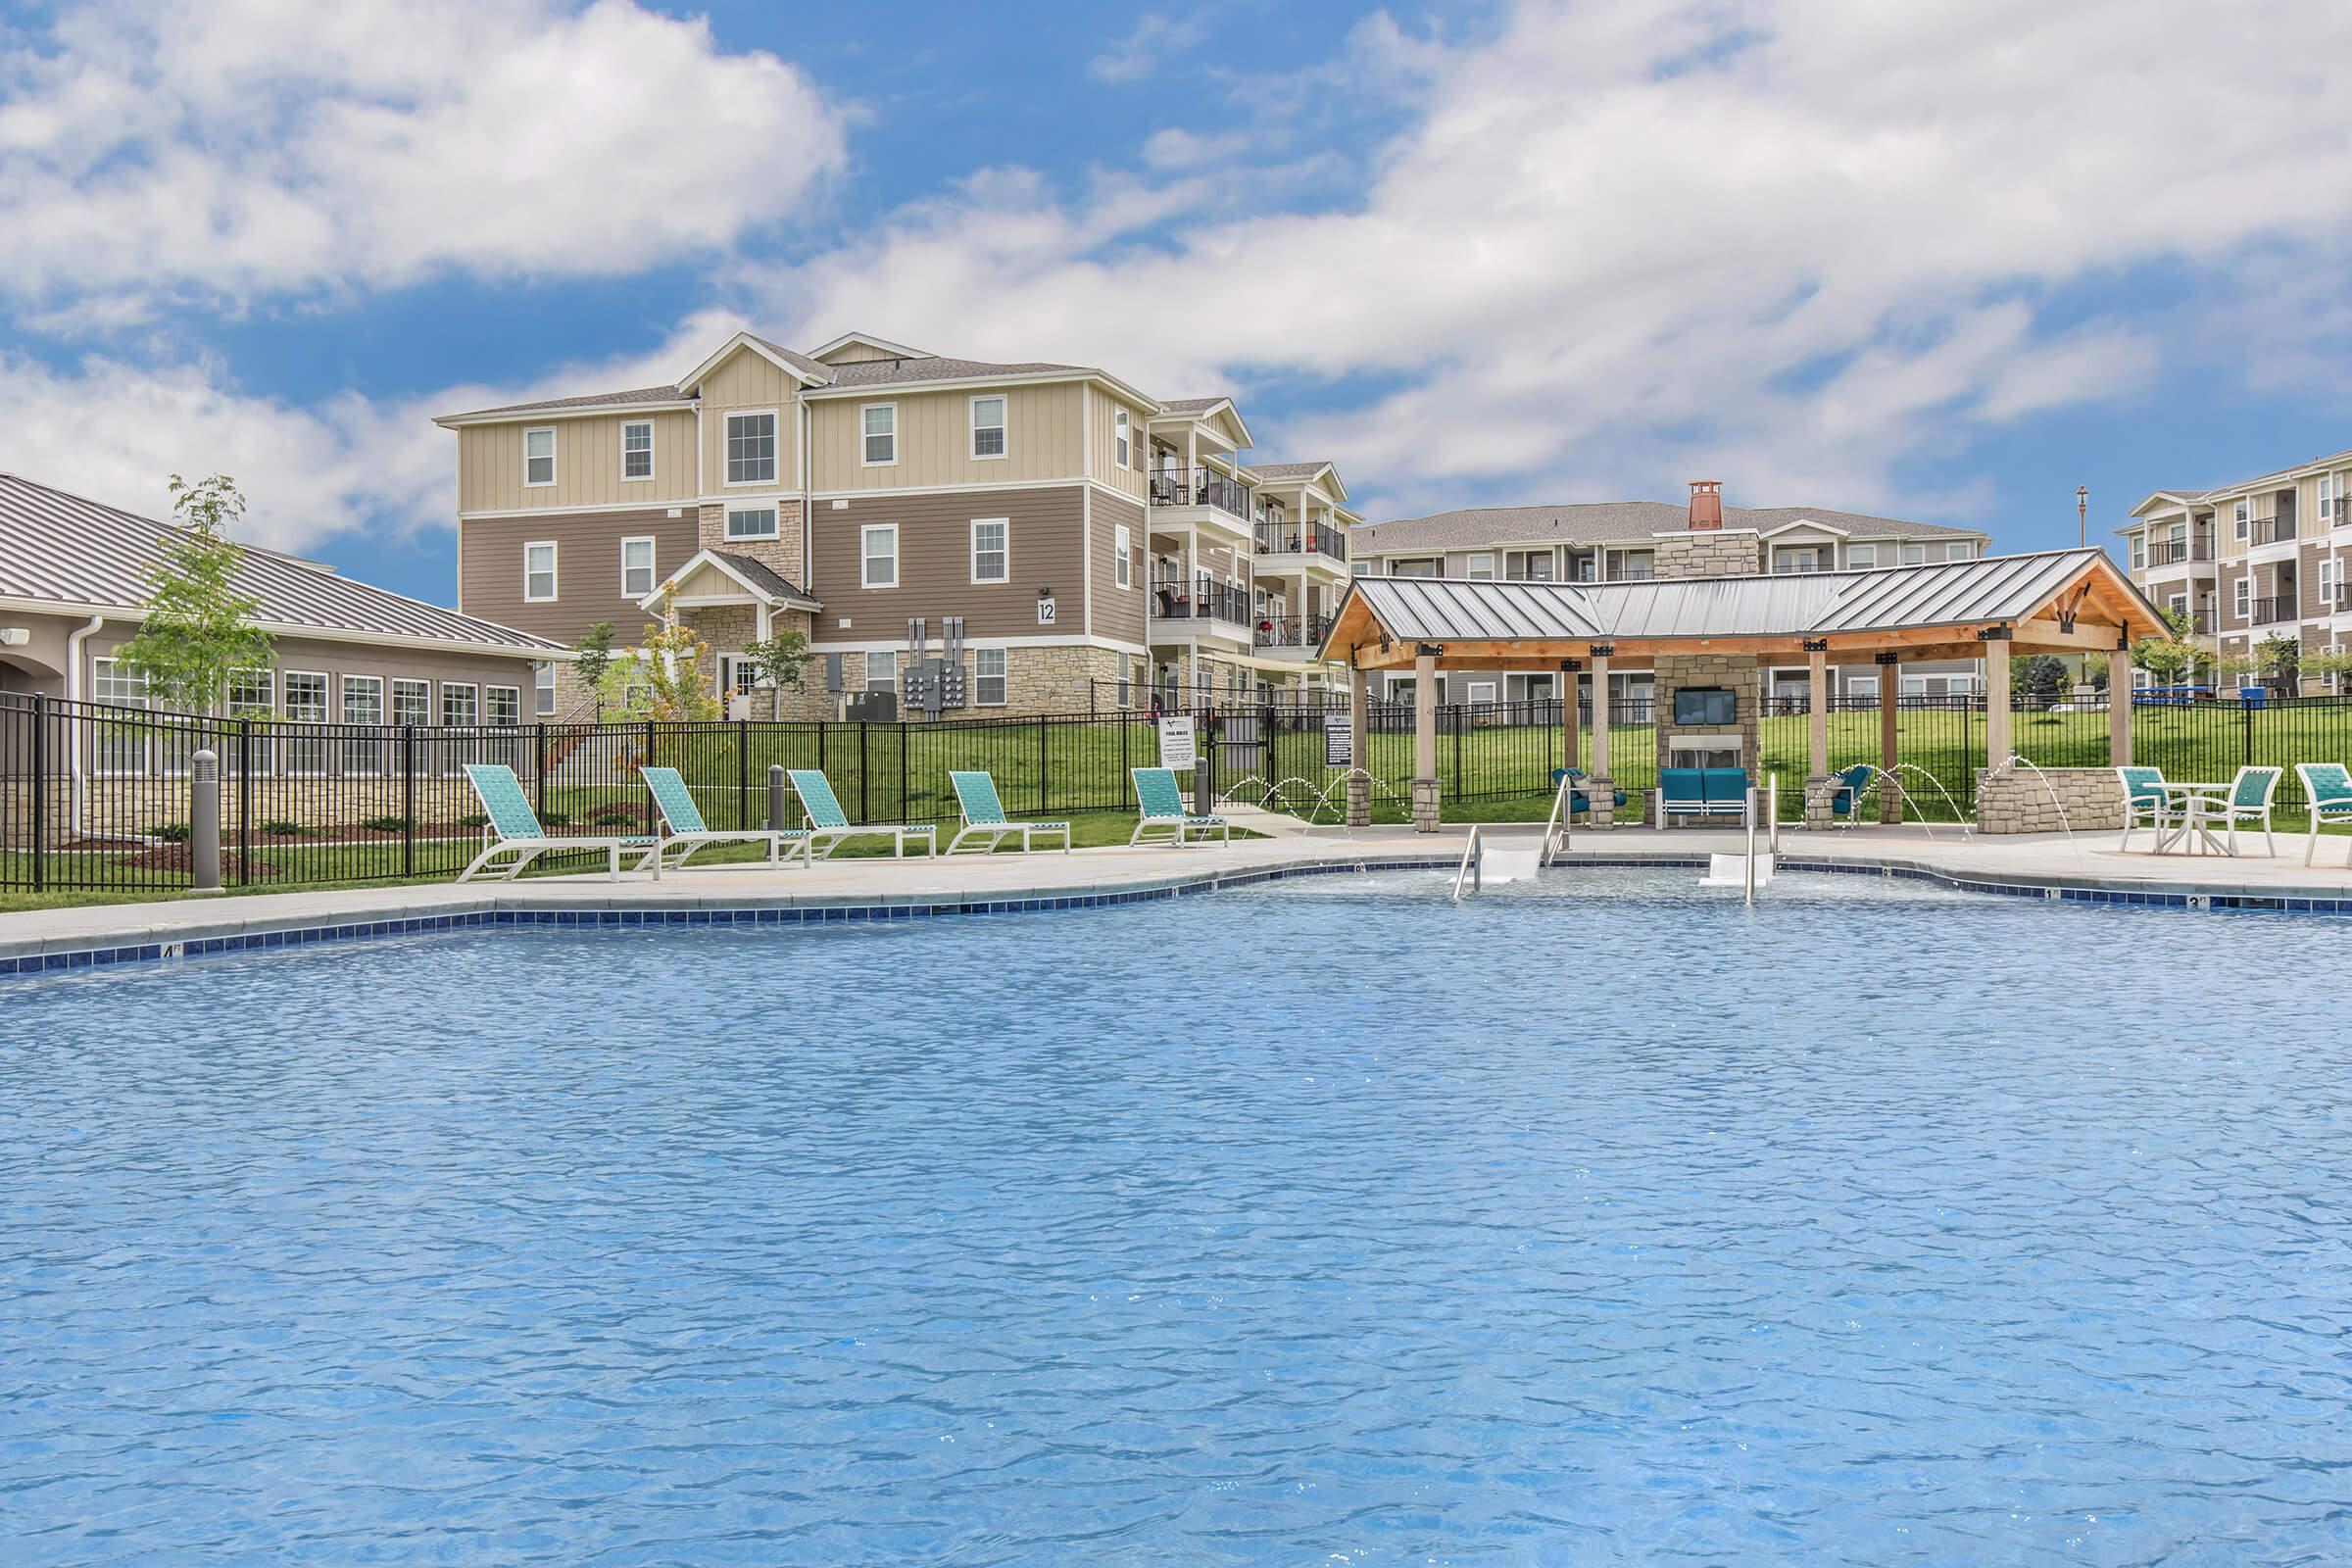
[1794, 605]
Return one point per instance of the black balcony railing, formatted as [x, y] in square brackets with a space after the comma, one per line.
[1289, 539]
[2171, 551]
[1171, 600]
[2201, 623]
[2273, 530]
[1204, 487]
[1631, 574]
[2264, 612]
[1293, 631]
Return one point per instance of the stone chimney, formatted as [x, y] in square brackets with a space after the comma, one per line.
[1706, 504]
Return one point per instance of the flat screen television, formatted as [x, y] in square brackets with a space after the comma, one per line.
[1706, 706]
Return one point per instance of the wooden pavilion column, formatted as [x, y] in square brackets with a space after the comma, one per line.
[1571, 744]
[1425, 739]
[1890, 798]
[1817, 732]
[1998, 743]
[2118, 707]
[1601, 787]
[1359, 744]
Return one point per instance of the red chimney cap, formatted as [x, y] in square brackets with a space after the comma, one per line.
[1707, 502]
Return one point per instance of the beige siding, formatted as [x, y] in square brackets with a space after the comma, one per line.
[749, 383]
[587, 463]
[587, 568]
[1119, 613]
[858, 353]
[1102, 429]
[935, 439]
[935, 574]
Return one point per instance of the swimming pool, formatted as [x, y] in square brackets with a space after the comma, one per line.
[1324, 1222]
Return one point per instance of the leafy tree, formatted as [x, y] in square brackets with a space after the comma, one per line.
[2279, 658]
[2042, 677]
[592, 657]
[199, 629]
[2330, 665]
[664, 679]
[2169, 655]
[782, 663]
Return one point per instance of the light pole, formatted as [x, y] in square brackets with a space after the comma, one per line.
[2082, 517]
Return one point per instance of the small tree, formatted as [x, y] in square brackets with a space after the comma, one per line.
[592, 657]
[782, 663]
[2041, 677]
[199, 629]
[2330, 665]
[2169, 654]
[2279, 658]
[664, 680]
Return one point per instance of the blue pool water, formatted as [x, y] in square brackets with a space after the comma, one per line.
[1321, 1224]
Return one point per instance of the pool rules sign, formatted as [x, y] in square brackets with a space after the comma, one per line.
[1339, 741]
[1177, 749]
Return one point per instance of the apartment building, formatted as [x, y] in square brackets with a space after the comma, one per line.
[1617, 541]
[2262, 557]
[969, 537]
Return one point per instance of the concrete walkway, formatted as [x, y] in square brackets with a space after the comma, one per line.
[2090, 860]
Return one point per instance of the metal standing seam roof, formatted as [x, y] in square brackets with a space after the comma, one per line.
[1609, 522]
[1990, 588]
[67, 550]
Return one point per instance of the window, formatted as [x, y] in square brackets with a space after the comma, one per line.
[1122, 544]
[539, 456]
[119, 748]
[2245, 597]
[988, 426]
[2180, 601]
[988, 677]
[2241, 515]
[878, 556]
[459, 704]
[1862, 685]
[636, 567]
[737, 676]
[1914, 554]
[1480, 692]
[1961, 551]
[751, 523]
[504, 705]
[543, 690]
[881, 433]
[412, 702]
[1413, 568]
[1482, 568]
[1861, 554]
[881, 671]
[113, 681]
[637, 449]
[992, 550]
[2329, 495]
[306, 703]
[751, 447]
[363, 746]
[2327, 582]
[2139, 552]
[1120, 446]
[1126, 685]
[539, 571]
[251, 693]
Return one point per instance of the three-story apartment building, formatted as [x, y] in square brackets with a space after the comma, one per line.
[1615, 541]
[1082, 542]
[2246, 561]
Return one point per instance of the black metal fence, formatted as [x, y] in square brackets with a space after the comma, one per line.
[97, 796]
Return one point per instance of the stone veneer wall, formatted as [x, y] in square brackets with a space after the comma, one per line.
[782, 553]
[1735, 672]
[2020, 800]
[1708, 553]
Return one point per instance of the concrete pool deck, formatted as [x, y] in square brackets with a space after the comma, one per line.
[2090, 868]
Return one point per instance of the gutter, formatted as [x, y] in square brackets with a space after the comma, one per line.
[73, 642]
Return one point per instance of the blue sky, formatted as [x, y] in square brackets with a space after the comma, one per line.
[1945, 263]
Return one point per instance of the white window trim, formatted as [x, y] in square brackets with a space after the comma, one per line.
[891, 461]
[544, 681]
[449, 686]
[1003, 700]
[343, 692]
[775, 459]
[865, 556]
[514, 692]
[866, 669]
[269, 675]
[553, 456]
[1122, 439]
[972, 421]
[1470, 566]
[977, 524]
[393, 696]
[775, 519]
[2243, 595]
[626, 425]
[287, 752]
[1869, 566]
[2241, 517]
[553, 584]
[1123, 574]
[653, 572]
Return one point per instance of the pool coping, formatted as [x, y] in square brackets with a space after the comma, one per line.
[190, 935]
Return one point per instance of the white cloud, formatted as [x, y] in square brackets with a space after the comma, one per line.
[1153, 41]
[232, 147]
[1791, 241]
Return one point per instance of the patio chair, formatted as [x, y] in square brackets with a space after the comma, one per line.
[1846, 789]
[984, 818]
[830, 828]
[1702, 791]
[2145, 803]
[688, 832]
[514, 829]
[2328, 786]
[1579, 798]
[1162, 806]
[2249, 802]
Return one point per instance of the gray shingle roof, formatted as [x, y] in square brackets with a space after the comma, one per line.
[1791, 604]
[589, 399]
[1287, 470]
[1192, 405]
[815, 369]
[939, 367]
[771, 581]
[1597, 521]
[64, 549]
[2274, 474]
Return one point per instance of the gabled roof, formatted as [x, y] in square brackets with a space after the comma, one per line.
[756, 577]
[1607, 522]
[800, 366]
[1192, 405]
[940, 367]
[633, 397]
[1203, 411]
[1310, 472]
[61, 549]
[864, 340]
[1958, 594]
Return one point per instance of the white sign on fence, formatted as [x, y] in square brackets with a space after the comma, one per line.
[1176, 746]
[1339, 741]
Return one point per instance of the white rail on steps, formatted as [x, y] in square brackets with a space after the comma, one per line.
[1473, 865]
[1558, 827]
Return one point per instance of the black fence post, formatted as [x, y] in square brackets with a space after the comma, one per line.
[539, 765]
[905, 731]
[649, 816]
[244, 802]
[1460, 714]
[864, 813]
[743, 772]
[40, 791]
[407, 800]
[1041, 745]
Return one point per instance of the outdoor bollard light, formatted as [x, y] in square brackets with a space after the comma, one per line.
[777, 785]
[204, 821]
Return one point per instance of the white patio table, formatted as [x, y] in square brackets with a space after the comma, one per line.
[2190, 804]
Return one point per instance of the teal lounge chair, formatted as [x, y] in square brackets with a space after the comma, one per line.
[1164, 812]
[830, 827]
[984, 818]
[688, 832]
[2330, 788]
[2147, 803]
[514, 829]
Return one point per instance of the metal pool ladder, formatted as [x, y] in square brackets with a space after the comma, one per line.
[1561, 824]
[1473, 866]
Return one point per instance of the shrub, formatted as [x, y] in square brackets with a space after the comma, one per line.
[285, 827]
[618, 812]
[555, 819]
[473, 819]
[171, 832]
[385, 824]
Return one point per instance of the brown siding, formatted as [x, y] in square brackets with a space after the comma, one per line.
[587, 568]
[1119, 614]
[935, 564]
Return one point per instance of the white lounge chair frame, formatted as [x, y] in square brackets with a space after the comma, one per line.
[514, 829]
[983, 812]
[687, 831]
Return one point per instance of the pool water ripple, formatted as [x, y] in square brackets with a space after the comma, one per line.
[1608, 1224]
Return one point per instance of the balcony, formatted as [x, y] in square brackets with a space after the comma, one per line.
[1205, 487]
[2265, 611]
[2201, 623]
[1634, 573]
[1289, 539]
[2273, 530]
[1204, 600]
[1303, 632]
[2173, 551]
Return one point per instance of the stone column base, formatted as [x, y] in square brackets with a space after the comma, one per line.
[1425, 806]
[1819, 786]
[1359, 800]
[1601, 791]
[1890, 802]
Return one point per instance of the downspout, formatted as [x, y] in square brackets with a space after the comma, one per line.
[73, 642]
